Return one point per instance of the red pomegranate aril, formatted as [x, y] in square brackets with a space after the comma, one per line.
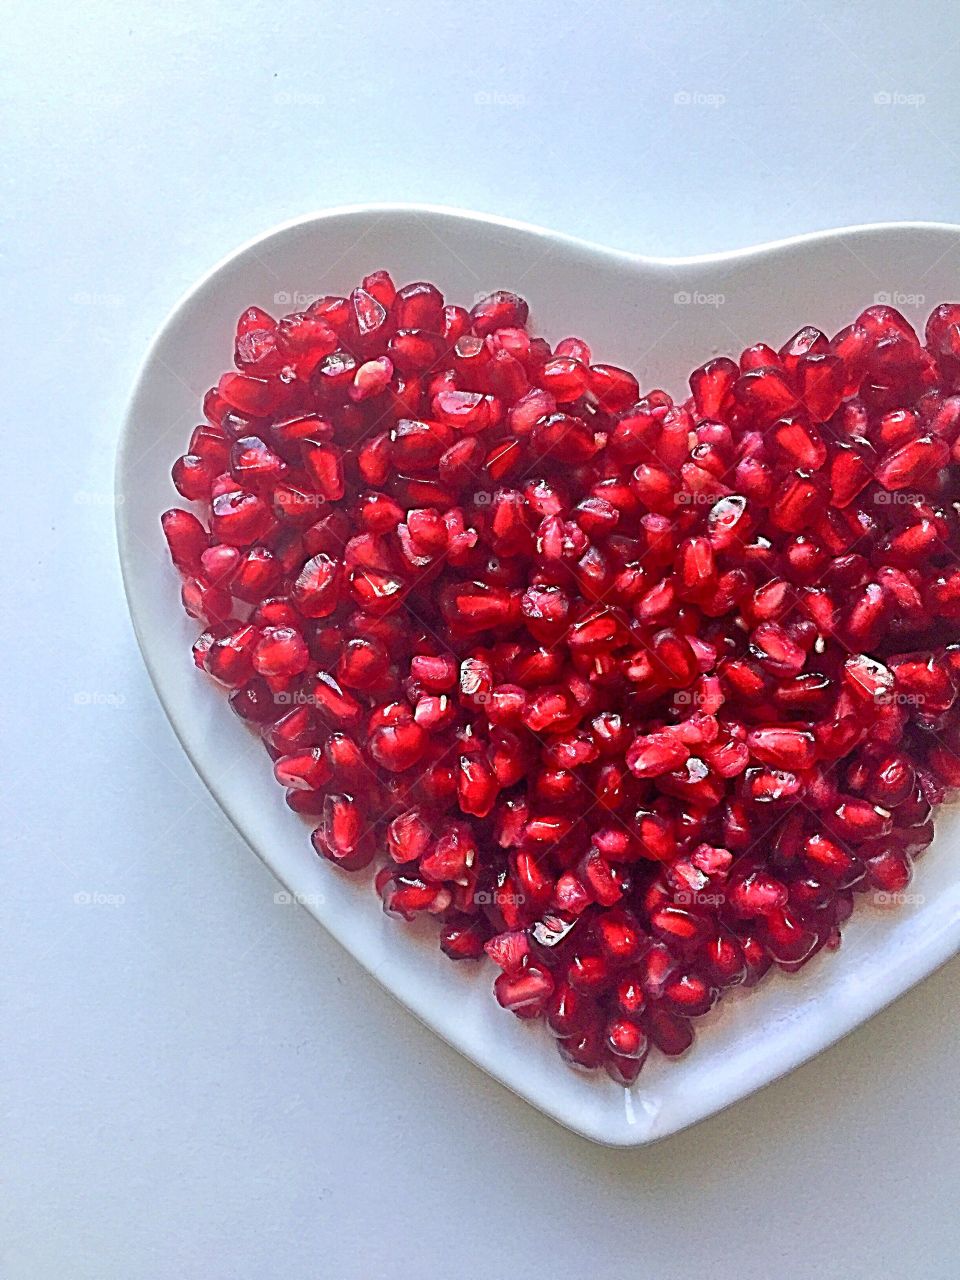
[462, 938]
[764, 394]
[406, 896]
[343, 833]
[671, 1033]
[619, 936]
[565, 378]
[583, 1050]
[398, 747]
[324, 466]
[819, 379]
[799, 444]
[471, 607]
[255, 397]
[571, 1012]
[305, 771]
[369, 321]
[229, 658]
[316, 590]
[786, 938]
[239, 518]
[380, 285]
[756, 895]
[207, 603]
[419, 306]
[626, 1039]
[526, 991]
[294, 731]
[723, 961]
[569, 670]
[187, 539]
[776, 650]
[254, 464]
[785, 748]
[218, 564]
[858, 820]
[193, 476]
[889, 872]
[570, 894]
[477, 786]
[656, 754]
[712, 387]
[915, 463]
[851, 469]
[509, 950]
[281, 651]
[499, 310]
[827, 858]
[688, 995]
[614, 388]
[589, 974]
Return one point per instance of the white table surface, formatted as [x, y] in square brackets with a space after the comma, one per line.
[198, 1083]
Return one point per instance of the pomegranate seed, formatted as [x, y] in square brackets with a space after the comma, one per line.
[186, 538]
[316, 589]
[782, 747]
[631, 695]
[527, 991]
[281, 651]
[656, 754]
[914, 464]
[613, 388]
[343, 836]
[500, 310]
[239, 518]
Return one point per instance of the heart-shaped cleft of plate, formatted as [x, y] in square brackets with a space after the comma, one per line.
[659, 318]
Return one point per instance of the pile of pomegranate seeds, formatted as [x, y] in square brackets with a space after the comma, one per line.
[634, 696]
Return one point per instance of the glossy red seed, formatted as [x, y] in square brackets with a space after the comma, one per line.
[656, 754]
[764, 394]
[613, 388]
[635, 693]
[783, 747]
[281, 651]
[316, 589]
[670, 1032]
[186, 538]
[913, 464]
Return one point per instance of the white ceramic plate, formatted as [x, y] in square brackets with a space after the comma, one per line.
[660, 318]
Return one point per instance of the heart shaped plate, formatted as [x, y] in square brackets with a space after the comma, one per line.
[660, 318]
